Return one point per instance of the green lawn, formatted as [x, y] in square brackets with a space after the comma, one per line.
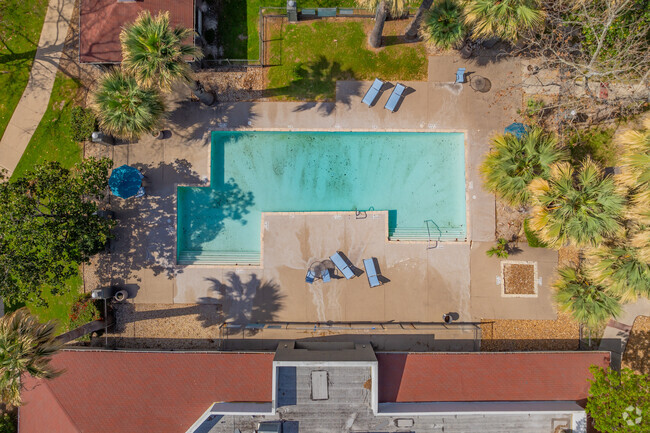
[58, 306]
[239, 33]
[20, 28]
[312, 56]
[52, 140]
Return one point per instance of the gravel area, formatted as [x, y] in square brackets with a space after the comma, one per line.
[165, 326]
[524, 335]
[518, 279]
[568, 256]
[637, 351]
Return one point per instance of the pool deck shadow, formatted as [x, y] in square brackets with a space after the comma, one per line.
[424, 282]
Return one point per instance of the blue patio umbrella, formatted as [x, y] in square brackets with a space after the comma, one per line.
[126, 181]
[517, 129]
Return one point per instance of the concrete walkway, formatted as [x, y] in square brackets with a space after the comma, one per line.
[617, 331]
[33, 103]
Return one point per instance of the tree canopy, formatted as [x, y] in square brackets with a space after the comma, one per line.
[619, 402]
[49, 225]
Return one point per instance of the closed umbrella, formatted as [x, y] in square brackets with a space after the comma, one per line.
[517, 129]
[126, 181]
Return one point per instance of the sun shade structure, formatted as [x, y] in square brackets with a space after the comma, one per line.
[517, 129]
[126, 181]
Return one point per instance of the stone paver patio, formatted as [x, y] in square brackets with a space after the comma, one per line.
[424, 282]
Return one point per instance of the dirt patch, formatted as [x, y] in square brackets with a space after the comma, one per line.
[524, 335]
[519, 279]
[637, 350]
[234, 84]
[510, 222]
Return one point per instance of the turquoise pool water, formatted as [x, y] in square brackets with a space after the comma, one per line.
[417, 177]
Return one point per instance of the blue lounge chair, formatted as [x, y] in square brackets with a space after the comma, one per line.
[325, 275]
[395, 97]
[460, 75]
[342, 265]
[373, 91]
[310, 276]
[369, 264]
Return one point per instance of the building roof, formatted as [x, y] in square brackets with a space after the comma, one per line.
[108, 391]
[139, 391]
[420, 377]
[101, 21]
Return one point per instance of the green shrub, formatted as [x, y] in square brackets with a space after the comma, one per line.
[596, 143]
[83, 311]
[83, 123]
[531, 237]
[8, 423]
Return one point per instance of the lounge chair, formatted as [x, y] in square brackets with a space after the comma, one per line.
[460, 75]
[373, 91]
[310, 276]
[325, 275]
[395, 97]
[338, 261]
[371, 271]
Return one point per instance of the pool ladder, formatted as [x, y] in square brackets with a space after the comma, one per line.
[429, 235]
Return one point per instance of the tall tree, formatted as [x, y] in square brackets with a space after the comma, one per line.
[514, 162]
[155, 53]
[26, 347]
[48, 225]
[635, 171]
[602, 49]
[382, 8]
[125, 109]
[619, 402]
[413, 28]
[579, 207]
[588, 303]
[505, 19]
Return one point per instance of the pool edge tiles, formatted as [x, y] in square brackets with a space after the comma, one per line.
[255, 172]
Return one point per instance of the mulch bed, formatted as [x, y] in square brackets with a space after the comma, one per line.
[637, 351]
[518, 279]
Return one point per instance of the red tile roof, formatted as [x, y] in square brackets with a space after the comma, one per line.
[101, 21]
[140, 392]
[486, 376]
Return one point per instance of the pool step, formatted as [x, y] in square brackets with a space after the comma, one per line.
[421, 234]
[233, 258]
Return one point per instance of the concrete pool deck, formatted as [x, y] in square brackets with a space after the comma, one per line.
[424, 283]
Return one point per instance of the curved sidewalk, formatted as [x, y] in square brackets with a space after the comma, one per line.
[33, 103]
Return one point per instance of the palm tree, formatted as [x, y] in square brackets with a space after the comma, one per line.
[622, 268]
[635, 172]
[579, 207]
[382, 8]
[125, 109]
[505, 19]
[514, 162]
[154, 52]
[587, 302]
[443, 25]
[26, 346]
[414, 27]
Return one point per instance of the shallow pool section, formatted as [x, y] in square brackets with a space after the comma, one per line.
[418, 177]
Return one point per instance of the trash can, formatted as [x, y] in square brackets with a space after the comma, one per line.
[292, 11]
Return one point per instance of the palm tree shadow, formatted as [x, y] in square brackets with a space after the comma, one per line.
[253, 301]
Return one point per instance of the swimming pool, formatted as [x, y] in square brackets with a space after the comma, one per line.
[416, 176]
